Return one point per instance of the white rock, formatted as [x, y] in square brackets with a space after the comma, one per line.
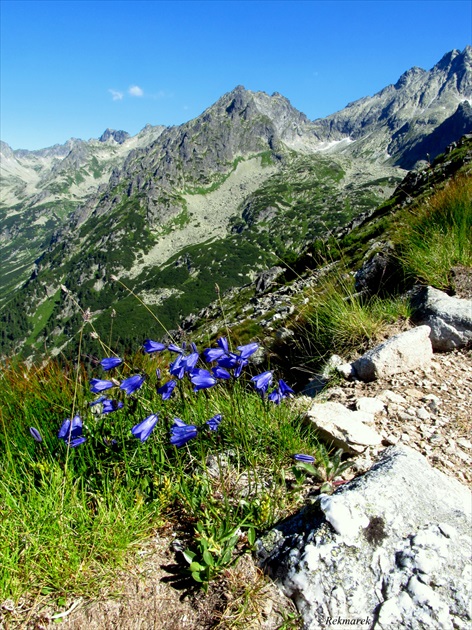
[346, 370]
[345, 520]
[405, 352]
[342, 427]
[408, 568]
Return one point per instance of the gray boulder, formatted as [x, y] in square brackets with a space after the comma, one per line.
[390, 549]
[405, 352]
[449, 318]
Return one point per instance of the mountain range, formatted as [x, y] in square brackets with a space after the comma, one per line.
[172, 211]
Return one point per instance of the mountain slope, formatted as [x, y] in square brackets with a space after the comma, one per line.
[390, 123]
[218, 199]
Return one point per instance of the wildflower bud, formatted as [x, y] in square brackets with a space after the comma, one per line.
[64, 288]
[113, 313]
[217, 288]
[87, 315]
[94, 335]
[113, 277]
[115, 382]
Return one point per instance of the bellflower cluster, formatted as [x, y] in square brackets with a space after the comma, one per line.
[263, 381]
[226, 360]
[226, 364]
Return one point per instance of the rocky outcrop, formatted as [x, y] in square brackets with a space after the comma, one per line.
[380, 273]
[405, 352]
[449, 318]
[388, 549]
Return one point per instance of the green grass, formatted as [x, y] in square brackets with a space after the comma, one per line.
[337, 320]
[438, 235]
[70, 516]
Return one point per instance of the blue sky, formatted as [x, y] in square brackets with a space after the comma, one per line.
[73, 68]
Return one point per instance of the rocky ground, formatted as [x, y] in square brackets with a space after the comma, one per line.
[429, 410]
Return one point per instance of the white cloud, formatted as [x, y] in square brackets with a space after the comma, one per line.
[116, 96]
[135, 90]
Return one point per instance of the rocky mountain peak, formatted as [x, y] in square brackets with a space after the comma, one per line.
[5, 150]
[113, 135]
[409, 77]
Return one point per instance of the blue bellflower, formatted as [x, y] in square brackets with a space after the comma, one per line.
[213, 354]
[247, 350]
[36, 434]
[220, 372]
[173, 348]
[111, 405]
[167, 389]
[177, 367]
[71, 432]
[300, 457]
[99, 400]
[282, 391]
[202, 379]
[153, 346]
[214, 423]
[98, 385]
[110, 363]
[182, 433]
[144, 429]
[262, 382]
[131, 384]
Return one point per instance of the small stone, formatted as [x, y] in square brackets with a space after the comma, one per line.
[369, 405]
[346, 370]
[422, 414]
[406, 417]
[389, 396]
[414, 393]
[464, 443]
[342, 427]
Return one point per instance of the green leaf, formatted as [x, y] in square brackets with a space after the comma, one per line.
[196, 566]
[189, 555]
[208, 558]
